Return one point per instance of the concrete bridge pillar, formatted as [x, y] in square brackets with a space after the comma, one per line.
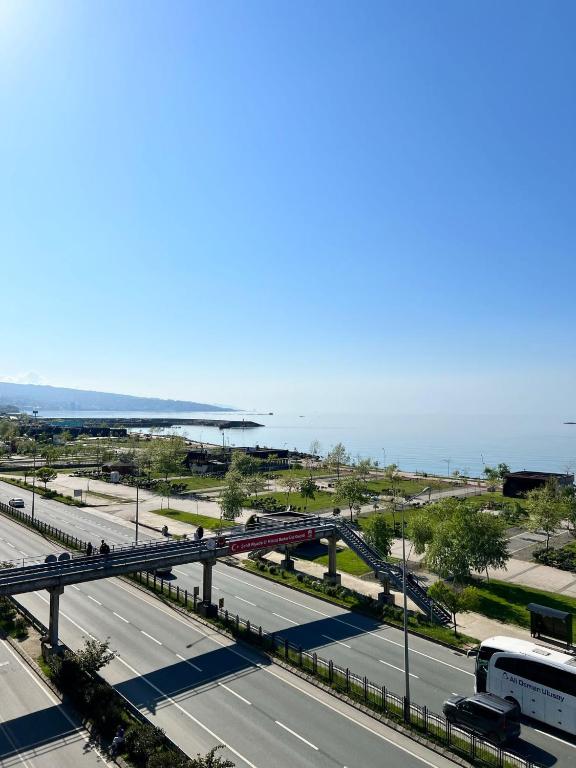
[332, 576]
[287, 563]
[55, 593]
[206, 607]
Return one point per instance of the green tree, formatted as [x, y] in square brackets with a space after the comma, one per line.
[164, 488]
[379, 534]
[392, 476]
[245, 464]
[546, 509]
[337, 457]
[166, 455]
[211, 760]
[353, 492]
[289, 482]
[232, 496]
[569, 501]
[255, 484]
[454, 600]
[457, 538]
[45, 475]
[308, 490]
[94, 655]
[363, 469]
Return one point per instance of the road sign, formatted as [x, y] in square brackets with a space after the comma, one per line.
[272, 540]
[77, 493]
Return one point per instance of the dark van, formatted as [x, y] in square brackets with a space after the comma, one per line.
[496, 719]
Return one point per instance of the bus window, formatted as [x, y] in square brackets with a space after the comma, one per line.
[482, 659]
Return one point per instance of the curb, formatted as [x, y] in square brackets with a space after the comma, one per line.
[394, 725]
[320, 596]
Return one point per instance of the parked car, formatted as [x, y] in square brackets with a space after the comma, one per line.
[496, 719]
[16, 503]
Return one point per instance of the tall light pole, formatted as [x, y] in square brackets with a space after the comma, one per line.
[137, 489]
[35, 413]
[447, 461]
[406, 649]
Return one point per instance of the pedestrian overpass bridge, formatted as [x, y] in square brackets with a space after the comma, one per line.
[53, 574]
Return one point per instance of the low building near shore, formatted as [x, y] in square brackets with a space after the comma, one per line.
[517, 484]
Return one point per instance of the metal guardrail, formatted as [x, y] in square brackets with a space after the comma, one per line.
[377, 697]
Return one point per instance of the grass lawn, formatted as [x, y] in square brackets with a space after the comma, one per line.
[197, 482]
[347, 561]
[363, 519]
[210, 523]
[408, 487]
[507, 602]
[302, 472]
[322, 500]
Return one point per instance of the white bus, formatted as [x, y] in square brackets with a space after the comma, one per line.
[540, 680]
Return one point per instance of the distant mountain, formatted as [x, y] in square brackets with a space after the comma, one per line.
[29, 396]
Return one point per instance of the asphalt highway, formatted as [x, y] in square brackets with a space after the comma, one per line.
[202, 689]
[36, 730]
[351, 640]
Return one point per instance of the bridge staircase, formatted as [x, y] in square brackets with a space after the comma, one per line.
[388, 572]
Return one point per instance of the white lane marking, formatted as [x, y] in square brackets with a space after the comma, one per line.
[395, 667]
[245, 601]
[75, 587]
[332, 639]
[183, 658]
[53, 700]
[555, 738]
[150, 637]
[420, 653]
[223, 644]
[234, 693]
[190, 664]
[185, 712]
[182, 573]
[10, 544]
[347, 623]
[22, 552]
[268, 592]
[309, 743]
[68, 618]
[284, 618]
[4, 664]
[94, 600]
[120, 617]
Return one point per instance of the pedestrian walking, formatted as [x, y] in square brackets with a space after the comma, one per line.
[198, 533]
[117, 742]
[104, 548]
[89, 549]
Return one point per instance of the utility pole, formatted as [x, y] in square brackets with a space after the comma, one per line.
[35, 412]
[137, 489]
[406, 649]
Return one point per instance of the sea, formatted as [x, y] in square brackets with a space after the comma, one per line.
[434, 443]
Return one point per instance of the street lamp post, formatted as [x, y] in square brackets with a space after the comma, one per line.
[447, 461]
[137, 521]
[406, 649]
[35, 413]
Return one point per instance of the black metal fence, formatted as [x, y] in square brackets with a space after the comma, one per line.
[376, 697]
[342, 680]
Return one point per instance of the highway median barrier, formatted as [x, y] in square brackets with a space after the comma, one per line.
[373, 698]
[370, 697]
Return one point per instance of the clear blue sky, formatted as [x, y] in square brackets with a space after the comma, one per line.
[309, 205]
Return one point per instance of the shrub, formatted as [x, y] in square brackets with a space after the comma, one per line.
[143, 741]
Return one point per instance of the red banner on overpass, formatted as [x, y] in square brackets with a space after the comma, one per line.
[272, 540]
